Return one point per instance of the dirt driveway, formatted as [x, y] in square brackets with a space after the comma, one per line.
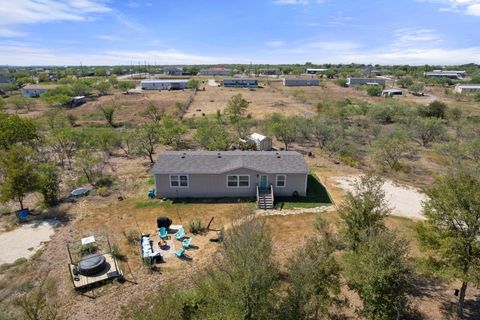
[25, 240]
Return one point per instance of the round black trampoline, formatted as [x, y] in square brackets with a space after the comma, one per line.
[91, 264]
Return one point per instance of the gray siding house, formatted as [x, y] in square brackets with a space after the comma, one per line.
[234, 174]
[169, 84]
[35, 90]
[240, 83]
[301, 82]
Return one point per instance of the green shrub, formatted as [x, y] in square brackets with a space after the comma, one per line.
[115, 251]
[477, 97]
[132, 236]
[196, 226]
[341, 82]
[103, 191]
[87, 249]
[374, 91]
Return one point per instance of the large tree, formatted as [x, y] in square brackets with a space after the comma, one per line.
[147, 138]
[211, 135]
[313, 278]
[14, 129]
[363, 209]
[390, 148]
[236, 108]
[380, 272]
[18, 173]
[242, 283]
[283, 128]
[452, 228]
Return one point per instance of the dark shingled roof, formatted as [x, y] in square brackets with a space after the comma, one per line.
[215, 162]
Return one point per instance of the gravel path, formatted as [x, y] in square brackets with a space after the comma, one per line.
[289, 212]
[405, 201]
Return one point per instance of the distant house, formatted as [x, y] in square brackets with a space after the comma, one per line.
[315, 71]
[298, 82]
[211, 174]
[240, 83]
[467, 88]
[270, 72]
[262, 143]
[392, 92]
[164, 84]
[173, 71]
[35, 90]
[215, 72]
[7, 80]
[449, 74]
[362, 81]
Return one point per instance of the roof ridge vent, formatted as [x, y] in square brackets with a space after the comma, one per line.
[219, 155]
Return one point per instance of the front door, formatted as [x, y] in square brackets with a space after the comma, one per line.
[263, 182]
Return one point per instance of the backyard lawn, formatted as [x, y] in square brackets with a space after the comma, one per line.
[317, 196]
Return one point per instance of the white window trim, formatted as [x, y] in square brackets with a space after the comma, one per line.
[284, 181]
[238, 180]
[179, 186]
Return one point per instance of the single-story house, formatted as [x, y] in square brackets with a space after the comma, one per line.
[362, 81]
[229, 174]
[240, 83]
[301, 82]
[7, 80]
[315, 71]
[164, 84]
[173, 71]
[35, 90]
[392, 92]
[453, 75]
[215, 72]
[270, 72]
[262, 143]
[467, 88]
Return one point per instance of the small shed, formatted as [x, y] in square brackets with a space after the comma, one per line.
[262, 143]
[392, 92]
[78, 100]
[362, 81]
[301, 82]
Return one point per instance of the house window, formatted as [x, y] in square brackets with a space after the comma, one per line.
[232, 181]
[179, 181]
[281, 181]
[240, 181]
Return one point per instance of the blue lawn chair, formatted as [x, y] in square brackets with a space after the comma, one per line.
[151, 193]
[180, 234]
[180, 253]
[186, 243]
[162, 232]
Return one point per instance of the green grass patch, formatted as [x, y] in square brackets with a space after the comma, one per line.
[153, 203]
[317, 196]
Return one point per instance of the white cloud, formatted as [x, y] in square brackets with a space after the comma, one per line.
[470, 7]
[407, 37]
[275, 44]
[301, 2]
[15, 53]
[21, 12]
[108, 37]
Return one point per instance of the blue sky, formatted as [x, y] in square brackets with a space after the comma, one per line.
[103, 32]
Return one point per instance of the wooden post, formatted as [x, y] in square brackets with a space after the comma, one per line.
[69, 254]
[208, 226]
